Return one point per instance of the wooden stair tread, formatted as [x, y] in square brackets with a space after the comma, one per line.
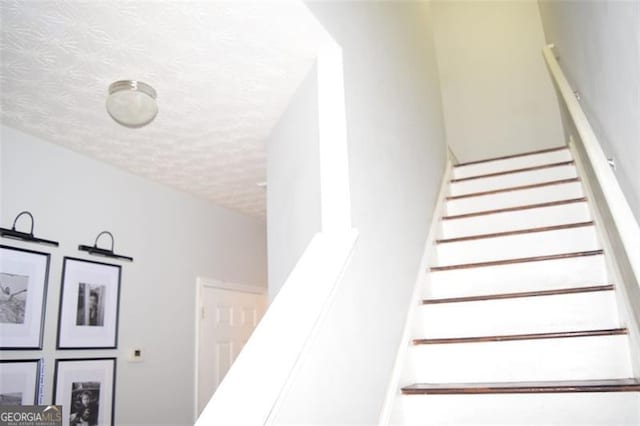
[508, 172]
[517, 208]
[572, 290]
[516, 232]
[529, 336]
[514, 188]
[560, 386]
[517, 260]
[506, 157]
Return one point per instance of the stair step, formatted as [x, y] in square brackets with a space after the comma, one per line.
[599, 356]
[522, 246]
[508, 157]
[515, 219]
[517, 260]
[485, 297]
[520, 170]
[511, 178]
[531, 336]
[553, 274]
[558, 386]
[515, 232]
[581, 407]
[564, 189]
[513, 188]
[516, 208]
[563, 311]
[475, 168]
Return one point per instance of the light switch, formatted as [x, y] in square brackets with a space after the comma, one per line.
[136, 355]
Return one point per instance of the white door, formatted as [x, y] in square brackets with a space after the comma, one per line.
[227, 317]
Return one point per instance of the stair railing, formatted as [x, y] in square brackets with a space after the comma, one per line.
[621, 236]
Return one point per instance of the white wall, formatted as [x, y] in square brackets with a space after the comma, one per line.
[598, 44]
[397, 156]
[293, 183]
[497, 95]
[173, 238]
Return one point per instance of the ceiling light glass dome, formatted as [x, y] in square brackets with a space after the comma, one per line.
[132, 103]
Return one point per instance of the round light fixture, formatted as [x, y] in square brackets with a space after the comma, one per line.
[132, 103]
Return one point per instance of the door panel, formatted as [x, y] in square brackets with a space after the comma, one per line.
[227, 319]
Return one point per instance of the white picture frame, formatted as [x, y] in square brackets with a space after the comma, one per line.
[24, 276]
[20, 382]
[85, 388]
[89, 305]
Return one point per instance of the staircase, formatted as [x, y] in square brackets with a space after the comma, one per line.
[519, 322]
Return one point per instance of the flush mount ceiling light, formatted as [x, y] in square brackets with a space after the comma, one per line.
[132, 103]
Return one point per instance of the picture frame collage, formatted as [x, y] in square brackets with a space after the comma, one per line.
[88, 319]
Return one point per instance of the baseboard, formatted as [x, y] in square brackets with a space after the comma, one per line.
[393, 389]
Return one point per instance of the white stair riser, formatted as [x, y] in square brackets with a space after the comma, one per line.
[576, 358]
[518, 246]
[541, 314]
[512, 179]
[511, 221]
[517, 198]
[511, 164]
[606, 409]
[531, 276]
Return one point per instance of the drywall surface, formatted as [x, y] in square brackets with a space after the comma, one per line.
[397, 156]
[598, 45]
[293, 183]
[497, 95]
[173, 238]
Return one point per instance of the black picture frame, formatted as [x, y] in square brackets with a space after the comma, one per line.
[86, 387]
[89, 310]
[20, 379]
[24, 280]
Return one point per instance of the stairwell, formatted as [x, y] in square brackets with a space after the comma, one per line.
[518, 322]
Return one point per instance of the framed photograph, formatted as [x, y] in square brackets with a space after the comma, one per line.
[86, 390]
[89, 304]
[20, 382]
[23, 293]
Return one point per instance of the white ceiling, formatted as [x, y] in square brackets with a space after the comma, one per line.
[224, 73]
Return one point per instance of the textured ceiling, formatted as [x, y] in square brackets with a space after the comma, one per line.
[224, 73]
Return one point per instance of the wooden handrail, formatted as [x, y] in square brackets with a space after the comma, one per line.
[623, 218]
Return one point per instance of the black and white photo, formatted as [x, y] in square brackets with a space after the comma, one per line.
[20, 382]
[89, 299]
[90, 305]
[23, 290]
[10, 398]
[86, 390]
[13, 297]
[85, 403]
